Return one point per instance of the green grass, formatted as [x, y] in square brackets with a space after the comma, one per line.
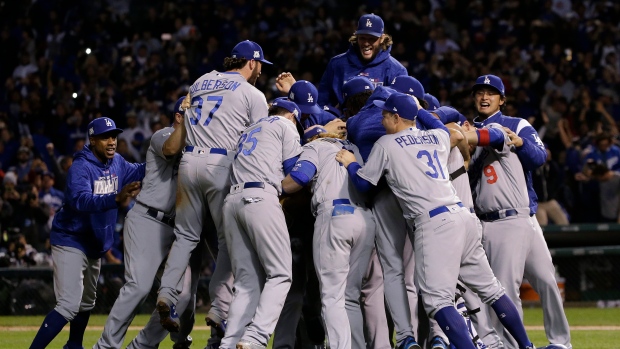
[583, 339]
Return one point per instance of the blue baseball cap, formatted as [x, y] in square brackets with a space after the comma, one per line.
[333, 110]
[288, 105]
[401, 104]
[102, 125]
[489, 80]
[356, 85]
[249, 50]
[433, 103]
[177, 106]
[304, 94]
[408, 85]
[370, 24]
[313, 131]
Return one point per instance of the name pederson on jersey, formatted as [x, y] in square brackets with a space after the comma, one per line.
[331, 180]
[414, 164]
[222, 106]
[262, 149]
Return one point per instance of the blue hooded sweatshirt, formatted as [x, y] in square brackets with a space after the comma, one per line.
[87, 218]
[381, 71]
[365, 127]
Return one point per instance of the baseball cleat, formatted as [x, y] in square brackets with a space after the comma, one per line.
[408, 343]
[220, 328]
[168, 317]
[185, 344]
[554, 346]
[438, 343]
[243, 344]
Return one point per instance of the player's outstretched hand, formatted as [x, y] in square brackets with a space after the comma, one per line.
[186, 102]
[514, 138]
[130, 190]
[336, 126]
[284, 81]
[345, 157]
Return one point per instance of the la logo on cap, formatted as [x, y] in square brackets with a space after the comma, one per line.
[368, 22]
[395, 109]
[310, 99]
[291, 95]
[108, 123]
[256, 54]
[486, 80]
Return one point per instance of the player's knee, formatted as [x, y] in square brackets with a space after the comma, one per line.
[435, 303]
[68, 311]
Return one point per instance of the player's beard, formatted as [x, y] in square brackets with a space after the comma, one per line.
[255, 75]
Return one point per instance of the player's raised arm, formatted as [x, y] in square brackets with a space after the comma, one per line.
[175, 143]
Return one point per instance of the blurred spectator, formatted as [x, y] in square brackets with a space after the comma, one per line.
[604, 151]
[548, 181]
[609, 191]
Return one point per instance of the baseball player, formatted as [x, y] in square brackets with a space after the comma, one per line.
[149, 225]
[305, 95]
[82, 231]
[458, 162]
[256, 233]
[360, 126]
[506, 203]
[432, 101]
[355, 94]
[343, 234]
[223, 104]
[413, 162]
[368, 55]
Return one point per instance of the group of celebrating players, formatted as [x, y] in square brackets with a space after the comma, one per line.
[409, 203]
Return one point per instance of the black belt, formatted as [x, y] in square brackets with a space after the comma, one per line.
[247, 185]
[167, 219]
[454, 175]
[493, 216]
[190, 148]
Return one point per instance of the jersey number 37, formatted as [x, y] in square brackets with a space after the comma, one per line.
[218, 101]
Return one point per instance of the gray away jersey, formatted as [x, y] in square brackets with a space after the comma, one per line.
[159, 186]
[497, 179]
[331, 180]
[222, 106]
[461, 184]
[261, 150]
[414, 164]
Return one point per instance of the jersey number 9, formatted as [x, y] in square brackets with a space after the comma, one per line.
[490, 173]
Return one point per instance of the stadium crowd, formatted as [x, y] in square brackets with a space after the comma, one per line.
[64, 63]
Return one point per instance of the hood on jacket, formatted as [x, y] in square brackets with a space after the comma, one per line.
[354, 58]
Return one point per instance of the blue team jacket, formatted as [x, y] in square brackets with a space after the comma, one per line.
[532, 153]
[381, 71]
[321, 118]
[87, 218]
[365, 128]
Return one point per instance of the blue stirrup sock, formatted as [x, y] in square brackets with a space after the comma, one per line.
[77, 329]
[453, 325]
[51, 326]
[509, 316]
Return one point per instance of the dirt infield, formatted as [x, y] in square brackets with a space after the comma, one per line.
[205, 328]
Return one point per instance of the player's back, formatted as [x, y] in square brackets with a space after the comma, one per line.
[261, 150]
[331, 181]
[159, 184]
[497, 179]
[416, 170]
[459, 177]
[222, 106]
